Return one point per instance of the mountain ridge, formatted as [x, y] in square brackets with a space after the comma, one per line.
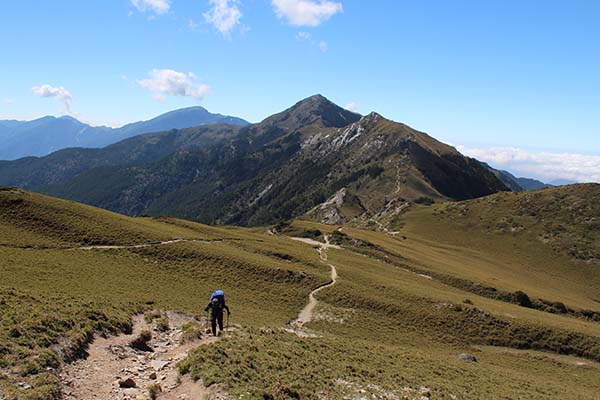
[48, 134]
[284, 166]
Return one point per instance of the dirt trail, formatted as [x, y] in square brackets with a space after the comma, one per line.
[139, 246]
[111, 361]
[308, 312]
[126, 246]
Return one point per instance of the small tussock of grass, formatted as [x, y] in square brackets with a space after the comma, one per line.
[191, 332]
[162, 324]
[160, 320]
[154, 391]
[141, 342]
[151, 315]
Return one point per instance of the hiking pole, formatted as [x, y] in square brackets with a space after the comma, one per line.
[228, 314]
[205, 321]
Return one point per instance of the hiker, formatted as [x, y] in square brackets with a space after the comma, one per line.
[216, 305]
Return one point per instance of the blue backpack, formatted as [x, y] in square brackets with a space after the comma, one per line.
[219, 295]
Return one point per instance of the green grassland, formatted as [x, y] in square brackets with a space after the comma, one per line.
[382, 330]
[515, 241]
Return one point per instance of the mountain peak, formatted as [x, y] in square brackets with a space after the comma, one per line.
[315, 99]
[314, 110]
[69, 119]
[193, 109]
[373, 115]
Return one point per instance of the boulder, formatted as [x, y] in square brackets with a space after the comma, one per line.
[467, 357]
[158, 364]
[127, 383]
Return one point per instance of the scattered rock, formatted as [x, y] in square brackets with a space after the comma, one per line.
[467, 357]
[127, 383]
[425, 392]
[152, 376]
[158, 364]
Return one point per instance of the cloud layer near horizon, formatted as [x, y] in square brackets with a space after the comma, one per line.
[543, 165]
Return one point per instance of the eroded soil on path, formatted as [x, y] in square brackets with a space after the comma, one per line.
[115, 370]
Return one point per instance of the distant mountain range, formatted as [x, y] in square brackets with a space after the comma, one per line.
[48, 134]
[562, 182]
[519, 184]
[312, 156]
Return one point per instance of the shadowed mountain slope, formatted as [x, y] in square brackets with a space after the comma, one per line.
[286, 165]
[63, 165]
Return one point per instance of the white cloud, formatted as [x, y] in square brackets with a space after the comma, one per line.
[156, 6]
[306, 12]
[351, 106]
[164, 82]
[60, 93]
[224, 15]
[193, 25]
[8, 101]
[303, 36]
[307, 37]
[542, 165]
[323, 46]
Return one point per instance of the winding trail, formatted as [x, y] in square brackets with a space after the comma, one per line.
[111, 361]
[308, 312]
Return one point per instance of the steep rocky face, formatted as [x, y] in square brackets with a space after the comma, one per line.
[385, 166]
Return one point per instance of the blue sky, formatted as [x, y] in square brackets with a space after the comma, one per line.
[490, 77]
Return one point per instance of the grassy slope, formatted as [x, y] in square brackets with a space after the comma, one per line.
[383, 329]
[54, 293]
[390, 327]
[515, 241]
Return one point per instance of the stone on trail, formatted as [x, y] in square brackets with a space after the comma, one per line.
[127, 383]
[467, 357]
[158, 364]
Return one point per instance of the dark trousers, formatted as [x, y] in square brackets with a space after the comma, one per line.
[216, 316]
